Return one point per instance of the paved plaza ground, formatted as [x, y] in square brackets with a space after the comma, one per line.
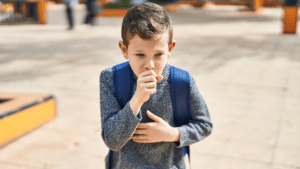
[246, 69]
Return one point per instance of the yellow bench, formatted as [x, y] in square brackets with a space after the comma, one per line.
[22, 113]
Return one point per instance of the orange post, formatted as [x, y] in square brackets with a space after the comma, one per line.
[102, 2]
[15, 7]
[203, 4]
[41, 11]
[290, 19]
[25, 9]
[253, 6]
[113, 12]
[258, 3]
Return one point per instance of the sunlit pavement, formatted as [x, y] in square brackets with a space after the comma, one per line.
[245, 68]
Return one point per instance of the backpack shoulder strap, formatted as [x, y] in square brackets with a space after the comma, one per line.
[181, 100]
[180, 91]
[123, 83]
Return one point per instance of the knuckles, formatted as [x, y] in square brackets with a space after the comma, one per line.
[155, 85]
[153, 79]
[152, 72]
[147, 125]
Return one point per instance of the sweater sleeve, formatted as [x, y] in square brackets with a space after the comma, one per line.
[118, 125]
[200, 126]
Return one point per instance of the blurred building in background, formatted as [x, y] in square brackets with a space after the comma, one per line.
[35, 11]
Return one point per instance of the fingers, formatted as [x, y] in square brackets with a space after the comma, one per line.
[143, 141]
[147, 79]
[150, 88]
[139, 137]
[143, 126]
[146, 85]
[151, 85]
[153, 116]
[148, 73]
[151, 91]
[150, 76]
[140, 131]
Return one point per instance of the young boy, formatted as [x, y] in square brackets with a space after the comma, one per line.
[142, 134]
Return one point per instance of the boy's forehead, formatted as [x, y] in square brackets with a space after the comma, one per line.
[159, 40]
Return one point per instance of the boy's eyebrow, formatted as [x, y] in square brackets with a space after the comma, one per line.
[159, 50]
[139, 50]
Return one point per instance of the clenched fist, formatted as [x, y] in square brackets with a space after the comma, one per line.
[146, 85]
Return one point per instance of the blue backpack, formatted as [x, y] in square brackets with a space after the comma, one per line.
[180, 91]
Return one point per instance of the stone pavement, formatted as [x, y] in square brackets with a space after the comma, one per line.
[247, 71]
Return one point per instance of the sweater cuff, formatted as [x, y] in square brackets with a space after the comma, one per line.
[130, 116]
[183, 137]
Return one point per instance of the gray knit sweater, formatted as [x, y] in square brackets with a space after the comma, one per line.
[118, 125]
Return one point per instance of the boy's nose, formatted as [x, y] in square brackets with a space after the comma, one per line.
[150, 65]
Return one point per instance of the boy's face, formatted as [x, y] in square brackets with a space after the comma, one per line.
[150, 54]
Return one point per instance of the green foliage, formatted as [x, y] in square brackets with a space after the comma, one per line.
[123, 5]
[160, 2]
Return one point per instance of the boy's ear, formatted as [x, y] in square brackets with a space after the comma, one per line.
[171, 47]
[123, 49]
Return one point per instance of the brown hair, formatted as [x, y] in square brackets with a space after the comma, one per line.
[146, 20]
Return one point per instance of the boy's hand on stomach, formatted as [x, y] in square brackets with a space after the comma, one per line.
[146, 85]
[157, 131]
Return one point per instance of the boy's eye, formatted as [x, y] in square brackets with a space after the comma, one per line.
[140, 54]
[158, 54]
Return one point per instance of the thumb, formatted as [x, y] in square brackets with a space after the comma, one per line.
[153, 116]
[159, 78]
